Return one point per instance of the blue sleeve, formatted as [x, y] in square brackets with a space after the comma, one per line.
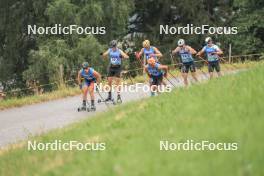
[152, 49]
[91, 71]
[216, 48]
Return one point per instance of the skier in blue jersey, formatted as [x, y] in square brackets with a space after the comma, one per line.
[86, 78]
[115, 56]
[148, 51]
[212, 53]
[155, 72]
[185, 52]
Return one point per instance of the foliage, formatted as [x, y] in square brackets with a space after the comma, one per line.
[26, 57]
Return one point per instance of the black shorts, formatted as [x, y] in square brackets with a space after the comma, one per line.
[186, 67]
[114, 71]
[213, 66]
[156, 80]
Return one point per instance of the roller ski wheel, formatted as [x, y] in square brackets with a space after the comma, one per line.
[112, 101]
[118, 100]
[93, 108]
[108, 100]
[82, 109]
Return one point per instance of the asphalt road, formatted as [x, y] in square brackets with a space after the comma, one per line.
[30, 120]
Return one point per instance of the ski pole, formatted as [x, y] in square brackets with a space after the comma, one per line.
[228, 63]
[203, 73]
[174, 76]
[141, 63]
[203, 59]
[170, 82]
[98, 91]
[171, 56]
[200, 68]
[130, 77]
[138, 59]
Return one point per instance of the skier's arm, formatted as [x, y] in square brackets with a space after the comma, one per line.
[140, 53]
[219, 51]
[105, 54]
[124, 55]
[79, 78]
[192, 51]
[146, 70]
[200, 52]
[164, 68]
[175, 51]
[97, 76]
[157, 52]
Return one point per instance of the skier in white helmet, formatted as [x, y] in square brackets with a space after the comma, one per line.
[213, 53]
[187, 60]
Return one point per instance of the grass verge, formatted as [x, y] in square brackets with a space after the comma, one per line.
[228, 109]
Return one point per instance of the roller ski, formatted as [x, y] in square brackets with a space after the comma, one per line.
[108, 100]
[83, 107]
[119, 100]
[92, 108]
[87, 108]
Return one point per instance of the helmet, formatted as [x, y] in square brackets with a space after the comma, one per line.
[113, 43]
[151, 61]
[85, 65]
[146, 43]
[208, 39]
[181, 42]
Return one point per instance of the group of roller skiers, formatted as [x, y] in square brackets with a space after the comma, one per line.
[87, 76]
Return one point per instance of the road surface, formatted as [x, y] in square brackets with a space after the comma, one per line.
[19, 123]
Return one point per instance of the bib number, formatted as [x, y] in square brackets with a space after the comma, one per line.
[212, 57]
[114, 60]
[185, 57]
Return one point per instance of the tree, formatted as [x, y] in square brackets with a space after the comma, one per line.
[249, 20]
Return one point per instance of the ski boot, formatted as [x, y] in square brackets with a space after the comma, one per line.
[119, 100]
[83, 107]
[93, 108]
[109, 98]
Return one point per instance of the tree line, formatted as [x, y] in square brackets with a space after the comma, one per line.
[30, 58]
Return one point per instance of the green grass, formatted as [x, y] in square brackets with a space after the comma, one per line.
[228, 109]
[65, 92]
